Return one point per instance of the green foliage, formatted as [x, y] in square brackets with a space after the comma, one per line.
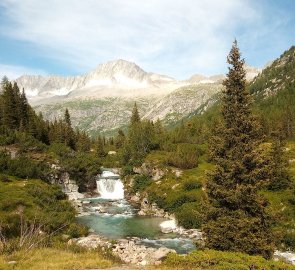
[82, 167]
[191, 184]
[127, 170]
[18, 120]
[100, 151]
[217, 260]
[189, 215]
[185, 157]
[235, 217]
[289, 240]
[140, 182]
[22, 167]
[34, 205]
[60, 150]
[280, 178]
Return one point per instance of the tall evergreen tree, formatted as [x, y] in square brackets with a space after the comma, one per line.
[24, 110]
[235, 216]
[100, 147]
[135, 118]
[120, 139]
[69, 132]
[68, 118]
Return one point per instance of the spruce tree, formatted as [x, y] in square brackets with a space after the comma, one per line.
[235, 217]
[120, 139]
[24, 110]
[68, 118]
[69, 132]
[135, 118]
[100, 147]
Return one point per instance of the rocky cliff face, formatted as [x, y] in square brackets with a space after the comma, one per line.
[102, 100]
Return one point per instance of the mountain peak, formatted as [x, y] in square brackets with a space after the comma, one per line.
[118, 65]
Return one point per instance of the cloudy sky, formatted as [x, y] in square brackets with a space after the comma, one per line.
[174, 37]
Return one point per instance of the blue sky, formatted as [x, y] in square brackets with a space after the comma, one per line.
[176, 38]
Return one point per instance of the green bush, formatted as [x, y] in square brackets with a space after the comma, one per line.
[140, 182]
[60, 149]
[178, 199]
[76, 230]
[127, 170]
[186, 156]
[188, 215]
[22, 167]
[82, 167]
[289, 240]
[191, 184]
[218, 260]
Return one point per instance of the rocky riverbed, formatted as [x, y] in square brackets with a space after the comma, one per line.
[128, 250]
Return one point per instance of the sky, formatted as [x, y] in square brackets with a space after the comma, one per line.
[178, 38]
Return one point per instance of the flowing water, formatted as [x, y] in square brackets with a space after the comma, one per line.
[111, 216]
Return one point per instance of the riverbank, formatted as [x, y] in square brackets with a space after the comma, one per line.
[129, 250]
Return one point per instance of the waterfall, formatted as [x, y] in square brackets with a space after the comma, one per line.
[110, 186]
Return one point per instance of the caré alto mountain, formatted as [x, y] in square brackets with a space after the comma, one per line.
[102, 100]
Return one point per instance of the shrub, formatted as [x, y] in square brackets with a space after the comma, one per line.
[82, 167]
[60, 149]
[191, 184]
[127, 170]
[185, 157]
[140, 182]
[218, 260]
[289, 240]
[76, 230]
[188, 215]
[22, 167]
[175, 200]
[4, 178]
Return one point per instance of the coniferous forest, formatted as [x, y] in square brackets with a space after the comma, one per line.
[228, 173]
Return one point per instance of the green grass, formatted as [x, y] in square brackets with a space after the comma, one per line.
[56, 259]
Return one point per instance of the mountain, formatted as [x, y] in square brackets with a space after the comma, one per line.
[102, 100]
[276, 76]
[118, 78]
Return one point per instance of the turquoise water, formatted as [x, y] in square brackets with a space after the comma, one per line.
[116, 227]
[117, 219]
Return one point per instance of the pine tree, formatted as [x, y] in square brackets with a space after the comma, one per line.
[83, 141]
[24, 110]
[120, 139]
[100, 147]
[9, 105]
[135, 118]
[68, 118]
[235, 217]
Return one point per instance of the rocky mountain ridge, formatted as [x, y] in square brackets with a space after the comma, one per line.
[102, 100]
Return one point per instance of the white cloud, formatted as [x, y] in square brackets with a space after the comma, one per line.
[172, 37]
[13, 72]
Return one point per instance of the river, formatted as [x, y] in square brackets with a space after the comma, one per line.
[110, 215]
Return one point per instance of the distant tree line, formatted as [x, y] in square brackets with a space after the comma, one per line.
[18, 117]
